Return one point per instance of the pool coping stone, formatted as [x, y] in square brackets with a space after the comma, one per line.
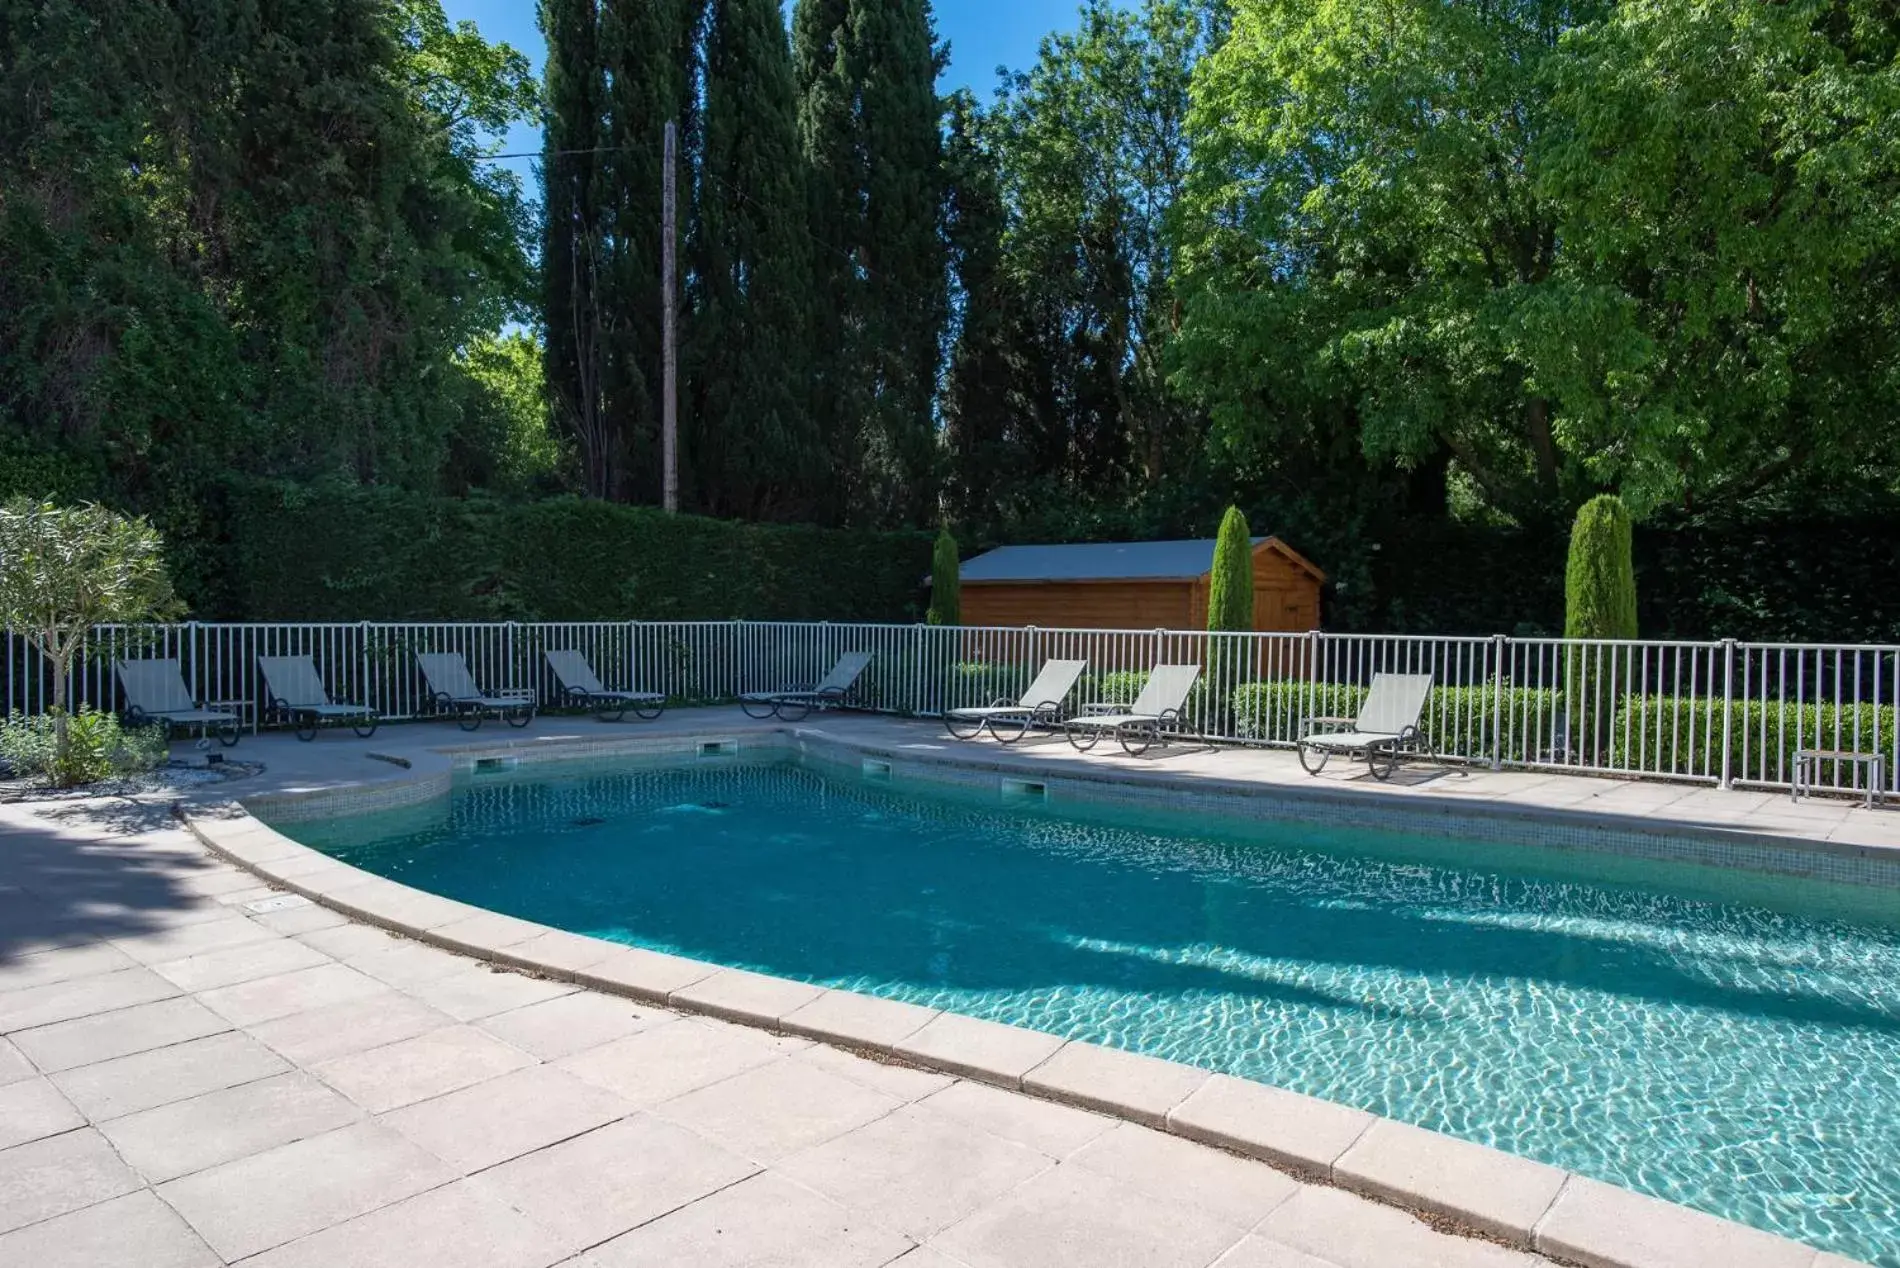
[1488, 1191]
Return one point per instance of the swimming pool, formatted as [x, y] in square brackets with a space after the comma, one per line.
[1660, 1028]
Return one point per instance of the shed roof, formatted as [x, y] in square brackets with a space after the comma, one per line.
[1107, 561]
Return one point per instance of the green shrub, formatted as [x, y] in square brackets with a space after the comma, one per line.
[1682, 735]
[1230, 584]
[946, 591]
[1458, 720]
[351, 553]
[97, 746]
[1599, 602]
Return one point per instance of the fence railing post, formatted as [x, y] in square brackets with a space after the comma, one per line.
[1728, 707]
[1501, 646]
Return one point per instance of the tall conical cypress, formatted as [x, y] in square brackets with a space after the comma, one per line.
[1230, 584]
[574, 240]
[1599, 603]
[868, 122]
[828, 141]
[895, 57]
[641, 48]
[753, 451]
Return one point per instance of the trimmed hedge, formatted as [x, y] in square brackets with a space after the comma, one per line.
[353, 553]
[1457, 720]
[1682, 735]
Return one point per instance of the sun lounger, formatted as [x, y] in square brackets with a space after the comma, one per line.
[1039, 705]
[297, 696]
[1385, 731]
[794, 703]
[455, 690]
[1156, 712]
[155, 691]
[583, 687]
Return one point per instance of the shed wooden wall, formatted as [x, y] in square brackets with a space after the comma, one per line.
[1111, 605]
[1285, 597]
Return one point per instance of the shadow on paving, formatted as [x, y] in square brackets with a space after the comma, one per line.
[73, 872]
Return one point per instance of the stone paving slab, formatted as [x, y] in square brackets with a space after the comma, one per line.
[134, 1229]
[267, 1199]
[762, 1220]
[147, 1080]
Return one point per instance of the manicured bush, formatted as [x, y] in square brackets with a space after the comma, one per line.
[1682, 735]
[946, 591]
[96, 746]
[351, 553]
[1230, 584]
[1463, 721]
[1599, 602]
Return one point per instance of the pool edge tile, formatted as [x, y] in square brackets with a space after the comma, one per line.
[856, 1020]
[988, 1051]
[744, 996]
[1487, 1189]
[1599, 1225]
[1293, 1130]
[1125, 1084]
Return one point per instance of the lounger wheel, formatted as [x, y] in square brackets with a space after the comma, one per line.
[963, 728]
[1009, 728]
[793, 710]
[469, 719]
[1137, 740]
[1382, 760]
[365, 729]
[760, 709]
[228, 733]
[1084, 739]
[1313, 757]
[306, 727]
[647, 710]
[520, 717]
[610, 710]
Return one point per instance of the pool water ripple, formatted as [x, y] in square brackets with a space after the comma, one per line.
[1736, 1057]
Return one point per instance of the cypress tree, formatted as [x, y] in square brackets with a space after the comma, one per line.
[946, 586]
[980, 388]
[753, 450]
[640, 49]
[1599, 603]
[827, 138]
[895, 62]
[1600, 578]
[574, 240]
[868, 123]
[1230, 587]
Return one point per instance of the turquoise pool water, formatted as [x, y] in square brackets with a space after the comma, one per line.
[1715, 1039]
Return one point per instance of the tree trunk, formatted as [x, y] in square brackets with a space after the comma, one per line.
[62, 727]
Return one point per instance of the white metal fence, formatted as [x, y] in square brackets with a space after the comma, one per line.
[1720, 712]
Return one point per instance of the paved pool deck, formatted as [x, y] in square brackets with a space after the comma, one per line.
[200, 1067]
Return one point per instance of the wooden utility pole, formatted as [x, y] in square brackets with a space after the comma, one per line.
[669, 387]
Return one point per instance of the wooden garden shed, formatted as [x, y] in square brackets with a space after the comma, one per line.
[1132, 585]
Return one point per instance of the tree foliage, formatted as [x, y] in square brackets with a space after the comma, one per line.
[251, 237]
[1230, 584]
[1562, 247]
[946, 588]
[66, 569]
[1600, 579]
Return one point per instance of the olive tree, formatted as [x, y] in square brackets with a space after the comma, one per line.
[65, 569]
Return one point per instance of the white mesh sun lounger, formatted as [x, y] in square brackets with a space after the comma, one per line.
[1041, 702]
[794, 703]
[1387, 726]
[583, 686]
[454, 689]
[1140, 726]
[155, 691]
[297, 694]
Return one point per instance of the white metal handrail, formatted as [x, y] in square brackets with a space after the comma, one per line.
[1721, 712]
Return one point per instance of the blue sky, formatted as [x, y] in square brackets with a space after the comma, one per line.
[983, 34]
